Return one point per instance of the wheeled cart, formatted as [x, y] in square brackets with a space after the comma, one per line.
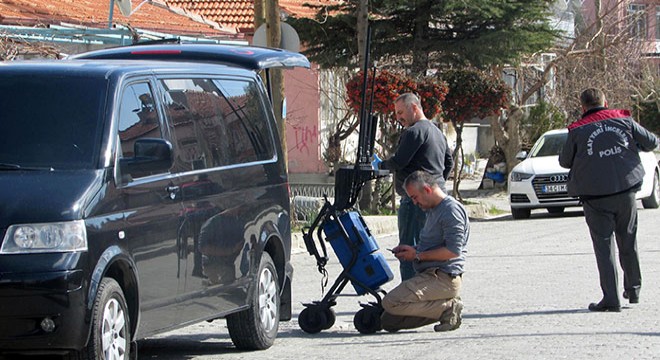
[363, 266]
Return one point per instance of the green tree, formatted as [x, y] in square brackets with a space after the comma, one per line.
[542, 117]
[431, 33]
[471, 94]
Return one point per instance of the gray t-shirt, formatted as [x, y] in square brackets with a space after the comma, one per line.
[447, 225]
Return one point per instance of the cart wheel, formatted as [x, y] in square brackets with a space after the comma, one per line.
[330, 317]
[367, 320]
[313, 319]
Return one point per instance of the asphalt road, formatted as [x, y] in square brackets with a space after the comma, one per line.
[526, 291]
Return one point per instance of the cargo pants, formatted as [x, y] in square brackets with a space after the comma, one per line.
[420, 300]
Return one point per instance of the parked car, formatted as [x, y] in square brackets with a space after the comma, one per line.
[142, 189]
[539, 182]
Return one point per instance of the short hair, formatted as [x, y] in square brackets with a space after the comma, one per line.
[409, 98]
[592, 97]
[420, 178]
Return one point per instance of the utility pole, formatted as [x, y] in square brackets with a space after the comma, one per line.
[259, 13]
[368, 200]
[268, 12]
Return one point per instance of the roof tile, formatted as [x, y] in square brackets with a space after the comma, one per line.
[152, 16]
[239, 14]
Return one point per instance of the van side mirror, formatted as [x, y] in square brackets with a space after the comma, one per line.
[149, 156]
[521, 155]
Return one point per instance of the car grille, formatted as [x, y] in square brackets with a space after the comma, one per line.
[519, 198]
[545, 181]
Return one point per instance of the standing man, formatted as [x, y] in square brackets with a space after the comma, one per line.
[438, 259]
[602, 152]
[422, 146]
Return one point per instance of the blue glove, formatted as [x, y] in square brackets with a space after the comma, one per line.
[375, 163]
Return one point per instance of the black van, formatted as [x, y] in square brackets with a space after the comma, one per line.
[141, 189]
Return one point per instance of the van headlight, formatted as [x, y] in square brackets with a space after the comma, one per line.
[520, 176]
[44, 238]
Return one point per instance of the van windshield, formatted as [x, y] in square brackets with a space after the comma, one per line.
[50, 121]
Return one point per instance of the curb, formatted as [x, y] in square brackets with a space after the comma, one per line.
[385, 225]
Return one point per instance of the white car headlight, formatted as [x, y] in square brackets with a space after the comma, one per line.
[44, 238]
[519, 176]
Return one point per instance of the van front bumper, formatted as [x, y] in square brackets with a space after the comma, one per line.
[28, 300]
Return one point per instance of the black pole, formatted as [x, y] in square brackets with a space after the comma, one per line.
[363, 153]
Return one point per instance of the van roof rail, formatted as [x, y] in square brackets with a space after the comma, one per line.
[248, 57]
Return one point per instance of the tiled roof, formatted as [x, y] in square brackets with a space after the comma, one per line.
[239, 14]
[295, 7]
[153, 16]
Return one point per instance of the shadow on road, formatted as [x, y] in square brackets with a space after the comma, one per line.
[525, 313]
[186, 346]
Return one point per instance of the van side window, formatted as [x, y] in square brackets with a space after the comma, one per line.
[138, 117]
[248, 121]
[217, 122]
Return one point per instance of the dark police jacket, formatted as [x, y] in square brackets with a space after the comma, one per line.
[602, 152]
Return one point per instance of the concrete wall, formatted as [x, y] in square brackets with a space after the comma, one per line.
[303, 125]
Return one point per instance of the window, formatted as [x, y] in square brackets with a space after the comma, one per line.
[549, 145]
[637, 20]
[247, 120]
[217, 122]
[138, 117]
[44, 126]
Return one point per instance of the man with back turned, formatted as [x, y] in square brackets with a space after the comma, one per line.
[601, 152]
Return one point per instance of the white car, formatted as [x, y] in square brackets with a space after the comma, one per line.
[538, 182]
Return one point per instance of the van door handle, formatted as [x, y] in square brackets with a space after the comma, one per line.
[172, 191]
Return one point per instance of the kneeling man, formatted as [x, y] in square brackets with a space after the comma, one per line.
[438, 259]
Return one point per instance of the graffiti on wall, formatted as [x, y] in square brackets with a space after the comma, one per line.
[306, 139]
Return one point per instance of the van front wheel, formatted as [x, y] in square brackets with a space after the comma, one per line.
[111, 332]
[256, 327]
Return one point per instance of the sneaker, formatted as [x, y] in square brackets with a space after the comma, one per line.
[451, 319]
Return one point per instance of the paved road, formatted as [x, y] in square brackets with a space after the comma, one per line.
[526, 292]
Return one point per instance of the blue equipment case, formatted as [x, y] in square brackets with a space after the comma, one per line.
[370, 268]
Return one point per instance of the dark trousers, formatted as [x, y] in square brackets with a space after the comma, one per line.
[615, 214]
[410, 220]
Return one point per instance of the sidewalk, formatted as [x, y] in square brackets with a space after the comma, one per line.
[480, 204]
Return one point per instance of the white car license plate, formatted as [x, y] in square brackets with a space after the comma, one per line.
[554, 188]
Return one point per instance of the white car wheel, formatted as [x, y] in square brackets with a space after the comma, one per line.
[653, 200]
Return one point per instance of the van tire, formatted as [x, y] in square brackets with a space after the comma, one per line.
[109, 318]
[256, 327]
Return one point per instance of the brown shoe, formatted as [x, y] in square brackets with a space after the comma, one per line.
[451, 319]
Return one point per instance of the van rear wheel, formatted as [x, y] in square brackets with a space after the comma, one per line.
[256, 327]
